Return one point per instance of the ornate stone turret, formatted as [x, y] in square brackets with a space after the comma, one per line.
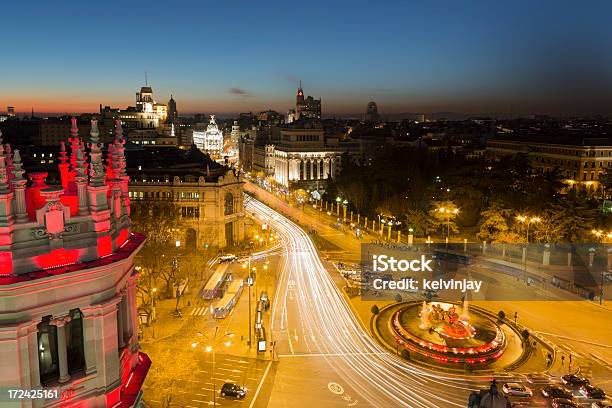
[44, 227]
[119, 165]
[81, 183]
[19, 184]
[75, 146]
[64, 167]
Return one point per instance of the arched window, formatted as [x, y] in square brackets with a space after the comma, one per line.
[229, 204]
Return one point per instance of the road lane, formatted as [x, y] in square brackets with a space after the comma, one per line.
[311, 305]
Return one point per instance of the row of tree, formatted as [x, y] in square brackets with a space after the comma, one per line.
[413, 184]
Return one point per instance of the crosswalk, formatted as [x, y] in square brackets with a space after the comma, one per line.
[199, 311]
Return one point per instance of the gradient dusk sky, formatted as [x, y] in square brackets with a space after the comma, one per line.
[225, 57]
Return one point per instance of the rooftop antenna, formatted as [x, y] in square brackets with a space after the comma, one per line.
[146, 79]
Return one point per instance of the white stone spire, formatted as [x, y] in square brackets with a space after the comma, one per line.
[96, 168]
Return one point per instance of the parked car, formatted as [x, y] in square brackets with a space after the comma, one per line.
[553, 391]
[517, 389]
[574, 380]
[592, 392]
[563, 403]
[227, 258]
[601, 404]
[233, 390]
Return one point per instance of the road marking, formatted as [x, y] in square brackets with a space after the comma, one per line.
[237, 361]
[335, 388]
[233, 370]
[260, 385]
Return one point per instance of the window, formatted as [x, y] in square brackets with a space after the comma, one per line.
[229, 204]
[74, 342]
[47, 351]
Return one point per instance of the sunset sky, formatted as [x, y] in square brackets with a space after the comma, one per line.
[226, 57]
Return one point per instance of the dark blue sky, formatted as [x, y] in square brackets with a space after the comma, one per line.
[471, 56]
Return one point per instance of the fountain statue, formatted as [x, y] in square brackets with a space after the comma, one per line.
[424, 317]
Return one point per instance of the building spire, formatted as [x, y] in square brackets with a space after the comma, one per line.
[96, 169]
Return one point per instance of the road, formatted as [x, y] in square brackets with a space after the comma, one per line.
[326, 356]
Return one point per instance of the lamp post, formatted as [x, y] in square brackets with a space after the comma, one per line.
[338, 200]
[213, 348]
[344, 204]
[448, 214]
[527, 221]
[249, 284]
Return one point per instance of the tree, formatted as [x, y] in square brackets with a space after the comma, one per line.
[494, 226]
[525, 334]
[398, 298]
[501, 315]
[374, 310]
[575, 216]
[405, 354]
[549, 229]
[418, 220]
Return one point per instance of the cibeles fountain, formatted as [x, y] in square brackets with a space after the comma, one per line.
[447, 332]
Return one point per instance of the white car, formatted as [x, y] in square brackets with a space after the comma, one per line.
[517, 389]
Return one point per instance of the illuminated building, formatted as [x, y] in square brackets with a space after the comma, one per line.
[581, 161]
[67, 281]
[209, 140]
[208, 195]
[172, 112]
[306, 108]
[146, 114]
[300, 157]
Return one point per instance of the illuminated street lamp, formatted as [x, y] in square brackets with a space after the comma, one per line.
[528, 221]
[338, 200]
[449, 213]
[212, 348]
[344, 206]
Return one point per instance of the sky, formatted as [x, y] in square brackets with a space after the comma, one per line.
[225, 57]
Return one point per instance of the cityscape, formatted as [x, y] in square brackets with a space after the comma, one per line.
[340, 204]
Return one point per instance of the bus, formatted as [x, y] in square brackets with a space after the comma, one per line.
[227, 302]
[215, 283]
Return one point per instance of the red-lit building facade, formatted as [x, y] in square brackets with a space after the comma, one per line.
[68, 317]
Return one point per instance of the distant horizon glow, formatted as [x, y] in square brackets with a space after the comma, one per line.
[518, 58]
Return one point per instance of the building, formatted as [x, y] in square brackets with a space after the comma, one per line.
[581, 161]
[301, 158]
[371, 115]
[209, 195]
[146, 114]
[209, 140]
[172, 112]
[306, 108]
[68, 317]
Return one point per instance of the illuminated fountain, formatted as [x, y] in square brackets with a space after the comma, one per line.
[447, 333]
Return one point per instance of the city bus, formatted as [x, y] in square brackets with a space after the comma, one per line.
[215, 283]
[227, 302]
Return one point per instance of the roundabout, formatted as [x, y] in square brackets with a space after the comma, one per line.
[447, 334]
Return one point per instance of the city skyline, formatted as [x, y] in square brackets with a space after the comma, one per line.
[227, 59]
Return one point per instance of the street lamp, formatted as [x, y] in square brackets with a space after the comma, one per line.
[344, 204]
[448, 214]
[212, 348]
[528, 221]
[338, 200]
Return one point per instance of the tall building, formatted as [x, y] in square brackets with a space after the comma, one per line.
[68, 317]
[371, 115]
[209, 140]
[307, 108]
[172, 112]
